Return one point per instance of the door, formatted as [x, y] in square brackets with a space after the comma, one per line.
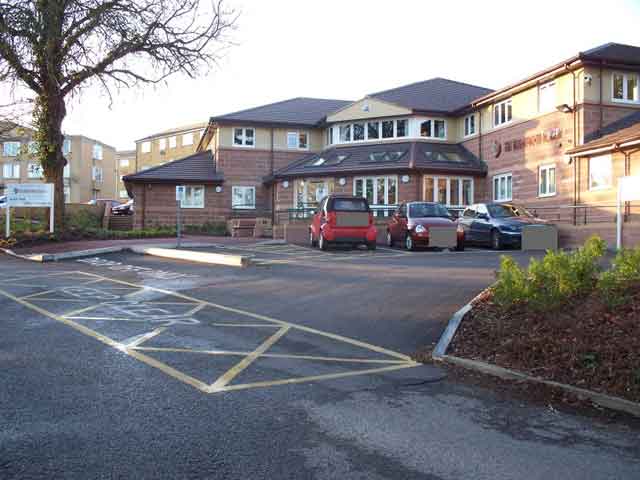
[481, 226]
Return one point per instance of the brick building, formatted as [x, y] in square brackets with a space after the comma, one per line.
[441, 140]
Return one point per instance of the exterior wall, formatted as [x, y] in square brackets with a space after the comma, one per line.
[263, 138]
[157, 156]
[125, 164]
[80, 159]
[368, 108]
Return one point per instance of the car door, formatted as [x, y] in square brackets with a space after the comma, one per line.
[402, 222]
[466, 220]
[481, 226]
[395, 226]
[316, 220]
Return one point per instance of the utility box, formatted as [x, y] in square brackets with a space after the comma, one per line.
[539, 237]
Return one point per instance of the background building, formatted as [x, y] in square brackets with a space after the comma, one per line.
[168, 145]
[90, 172]
[126, 164]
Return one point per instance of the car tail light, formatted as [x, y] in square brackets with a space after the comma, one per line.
[370, 218]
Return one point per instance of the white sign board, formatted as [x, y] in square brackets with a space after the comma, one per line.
[180, 193]
[29, 194]
[629, 188]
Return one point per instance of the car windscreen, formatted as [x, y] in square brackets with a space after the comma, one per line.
[504, 211]
[350, 205]
[417, 210]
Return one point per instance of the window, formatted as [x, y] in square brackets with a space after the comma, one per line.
[67, 194]
[469, 125]
[358, 132]
[600, 172]
[66, 146]
[345, 133]
[502, 113]
[11, 170]
[11, 149]
[33, 148]
[387, 129]
[502, 187]
[244, 137]
[625, 87]
[162, 144]
[433, 129]
[243, 197]
[124, 162]
[453, 191]
[124, 194]
[401, 128]
[34, 170]
[547, 97]
[96, 174]
[377, 190]
[373, 130]
[330, 136]
[66, 172]
[173, 142]
[187, 139]
[297, 140]
[145, 147]
[97, 151]
[547, 181]
[193, 197]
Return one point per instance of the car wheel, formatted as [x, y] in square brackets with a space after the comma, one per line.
[389, 240]
[322, 243]
[460, 247]
[408, 243]
[371, 245]
[496, 241]
[312, 241]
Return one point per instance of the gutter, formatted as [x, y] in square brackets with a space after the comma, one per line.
[609, 148]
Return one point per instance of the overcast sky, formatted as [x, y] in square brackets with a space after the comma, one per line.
[346, 49]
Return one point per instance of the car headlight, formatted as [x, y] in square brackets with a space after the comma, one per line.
[420, 229]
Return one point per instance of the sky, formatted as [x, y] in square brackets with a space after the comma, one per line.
[347, 49]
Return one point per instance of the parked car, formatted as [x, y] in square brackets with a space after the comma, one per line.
[123, 208]
[411, 223]
[342, 219]
[497, 225]
[104, 201]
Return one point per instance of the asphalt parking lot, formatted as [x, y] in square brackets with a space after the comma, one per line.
[299, 366]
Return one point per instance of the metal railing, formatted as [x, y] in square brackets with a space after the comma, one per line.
[585, 214]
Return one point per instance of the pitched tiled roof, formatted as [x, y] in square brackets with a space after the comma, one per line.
[626, 129]
[386, 157]
[295, 111]
[434, 95]
[175, 130]
[196, 168]
[614, 53]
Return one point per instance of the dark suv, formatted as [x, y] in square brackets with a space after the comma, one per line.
[498, 225]
[343, 219]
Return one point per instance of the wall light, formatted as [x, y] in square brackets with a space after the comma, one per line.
[564, 108]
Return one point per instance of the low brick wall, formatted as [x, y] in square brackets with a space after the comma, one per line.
[573, 236]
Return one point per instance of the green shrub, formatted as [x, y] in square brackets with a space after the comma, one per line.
[549, 283]
[83, 220]
[624, 271]
[209, 228]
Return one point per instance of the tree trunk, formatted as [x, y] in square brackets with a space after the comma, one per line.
[51, 114]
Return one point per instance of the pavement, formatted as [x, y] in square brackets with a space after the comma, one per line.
[299, 366]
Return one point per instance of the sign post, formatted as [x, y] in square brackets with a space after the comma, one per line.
[628, 191]
[179, 198]
[29, 195]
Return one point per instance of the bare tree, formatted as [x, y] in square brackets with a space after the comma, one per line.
[56, 47]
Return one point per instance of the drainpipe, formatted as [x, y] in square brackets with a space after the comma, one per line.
[600, 103]
[275, 184]
[575, 144]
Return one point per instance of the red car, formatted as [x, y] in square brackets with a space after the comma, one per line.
[343, 219]
[410, 225]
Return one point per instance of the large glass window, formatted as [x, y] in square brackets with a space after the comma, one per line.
[162, 144]
[469, 125]
[502, 187]
[401, 128]
[433, 129]
[387, 129]
[502, 113]
[547, 97]
[358, 132]
[244, 137]
[243, 197]
[452, 191]
[625, 87]
[11, 170]
[297, 140]
[547, 181]
[373, 130]
[600, 172]
[145, 147]
[173, 143]
[11, 149]
[345, 133]
[96, 174]
[97, 151]
[193, 197]
[379, 191]
[187, 139]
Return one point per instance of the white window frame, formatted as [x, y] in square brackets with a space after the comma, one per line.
[124, 163]
[145, 147]
[625, 91]
[236, 188]
[365, 123]
[609, 184]
[376, 201]
[543, 172]
[460, 180]
[66, 146]
[503, 105]
[97, 151]
[162, 144]
[432, 128]
[13, 168]
[173, 141]
[467, 131]
[11, 149]
[506, 176]
[67, 193]
[243, 137]
[189, 139]
[189, 197]
[35, 170]
[547, 91]
[96, 174]
[296, 144]
[66, 171]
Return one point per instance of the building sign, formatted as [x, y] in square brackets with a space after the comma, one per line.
[629, 189]
[29, 194]
[546, 136]
[180, 193]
